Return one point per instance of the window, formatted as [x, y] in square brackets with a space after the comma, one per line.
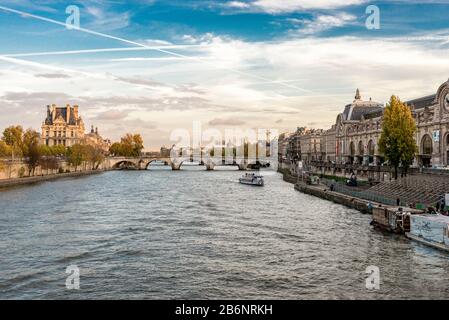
[427, 145]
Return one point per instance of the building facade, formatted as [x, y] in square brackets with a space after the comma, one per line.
[64, 126]
[359, 126]
[311, 145]
[95, 139]
[355, 136]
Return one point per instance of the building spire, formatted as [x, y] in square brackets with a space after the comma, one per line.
[357, 95]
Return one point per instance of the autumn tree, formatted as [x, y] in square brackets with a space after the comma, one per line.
[76, 155]
[94, 155]
[131, 145]
[13, 137]
[31, 149]
[5, 150]
[397, 141]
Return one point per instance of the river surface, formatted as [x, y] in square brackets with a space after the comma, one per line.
[194, 234]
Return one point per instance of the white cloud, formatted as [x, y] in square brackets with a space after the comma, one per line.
[104, 20]
[237, 4]
[323, 22]
[282, 6]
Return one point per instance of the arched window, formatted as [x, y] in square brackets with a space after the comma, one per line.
[361, 149]
[352, 149]
[371, 148]
[426, 145]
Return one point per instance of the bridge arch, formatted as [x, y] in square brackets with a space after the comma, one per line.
[146, 164]
[125, 164]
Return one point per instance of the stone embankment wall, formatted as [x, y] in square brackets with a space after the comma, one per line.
[5, 183]
[324, 193]
[16, 172]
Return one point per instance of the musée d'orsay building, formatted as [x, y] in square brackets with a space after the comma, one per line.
[358, 128]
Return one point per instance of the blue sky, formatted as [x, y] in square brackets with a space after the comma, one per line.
[255, 63]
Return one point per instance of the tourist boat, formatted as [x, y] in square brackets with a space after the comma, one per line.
[252, 179]
[431, 230]
[393, 219]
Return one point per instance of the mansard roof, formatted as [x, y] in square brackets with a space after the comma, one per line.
[360, 108]
[423, 102]
[61, 112]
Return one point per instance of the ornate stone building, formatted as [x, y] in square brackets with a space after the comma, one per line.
[93, 138]
[62, 126]
[312, 145]
[358, 130]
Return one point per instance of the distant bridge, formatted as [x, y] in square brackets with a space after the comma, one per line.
[144, 161]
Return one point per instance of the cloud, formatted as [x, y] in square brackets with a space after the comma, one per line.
[237, 4]
[285, 6]
[52, 75]
[112, 115]
[104, 19]
[322, 23]
[226, 122]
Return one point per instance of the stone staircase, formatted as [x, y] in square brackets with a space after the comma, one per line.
[418, 189]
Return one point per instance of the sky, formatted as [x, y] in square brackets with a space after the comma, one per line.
[154, 66]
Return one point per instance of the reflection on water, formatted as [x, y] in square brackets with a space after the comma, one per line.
[197, 234]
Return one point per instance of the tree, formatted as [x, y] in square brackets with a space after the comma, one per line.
[397, 141]
[94, 155]
[58, 150]
[31, 149]
[76, 155]
[13, 137]
[116, 149]
[131, 145]
[5, 150]
[48, 162]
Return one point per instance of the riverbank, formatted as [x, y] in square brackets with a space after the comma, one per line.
[7, 183]
[323, 192]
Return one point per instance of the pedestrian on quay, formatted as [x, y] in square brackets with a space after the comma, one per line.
[398, 202]
[437, 206]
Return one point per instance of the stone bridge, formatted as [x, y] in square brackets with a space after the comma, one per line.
[143, 162]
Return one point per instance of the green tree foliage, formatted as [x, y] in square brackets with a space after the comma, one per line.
[31, 149]
[5, 150]
[131, 145]
[79, 154]
[397, 141]
[13, 137]
[94, 155]
[76, 155]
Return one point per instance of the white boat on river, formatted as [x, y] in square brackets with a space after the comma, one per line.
[252, 179]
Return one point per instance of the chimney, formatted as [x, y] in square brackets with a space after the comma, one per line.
[92, 129]
[68, 113]
[75, 112]
[53, 112]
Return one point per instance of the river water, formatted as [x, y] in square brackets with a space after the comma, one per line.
[194, 234]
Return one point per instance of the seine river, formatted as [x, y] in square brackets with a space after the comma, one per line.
[195, 234]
